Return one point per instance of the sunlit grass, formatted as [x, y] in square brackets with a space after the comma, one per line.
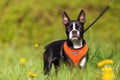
[12, 69]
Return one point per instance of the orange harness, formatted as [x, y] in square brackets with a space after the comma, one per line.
[75, 55]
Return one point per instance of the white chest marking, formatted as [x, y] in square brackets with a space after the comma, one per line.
[77, 44]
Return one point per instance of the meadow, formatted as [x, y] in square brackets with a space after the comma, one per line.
[27, 23]
[12, 69]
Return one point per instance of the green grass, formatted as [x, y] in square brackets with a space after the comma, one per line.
[23, 22]
[11, 69]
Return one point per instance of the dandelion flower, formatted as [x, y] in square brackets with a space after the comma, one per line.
[32, 75]
[105, 62]
[107, 73]
[22, 60]
[36, 45]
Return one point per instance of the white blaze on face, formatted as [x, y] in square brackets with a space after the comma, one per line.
[74, 26]
[73, 29]
[75, 37]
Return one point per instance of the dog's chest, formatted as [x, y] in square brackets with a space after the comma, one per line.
[75, 55]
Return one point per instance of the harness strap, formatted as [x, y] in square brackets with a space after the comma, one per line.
[75, 55]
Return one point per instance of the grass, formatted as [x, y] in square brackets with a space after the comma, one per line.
[11, 69]
[25, 21]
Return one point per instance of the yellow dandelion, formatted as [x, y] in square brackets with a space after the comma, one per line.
[32, 75]
[107, 73]
[104, 62]
[36, 45]
[22, 60]
[106, 69]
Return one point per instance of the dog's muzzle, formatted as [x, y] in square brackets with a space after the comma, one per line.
[74, 35]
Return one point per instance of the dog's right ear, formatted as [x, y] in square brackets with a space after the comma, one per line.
[65, 18]
[81, 17]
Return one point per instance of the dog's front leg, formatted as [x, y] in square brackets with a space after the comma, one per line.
[83, 61]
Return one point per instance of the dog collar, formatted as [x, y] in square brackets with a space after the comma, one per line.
[75, 55]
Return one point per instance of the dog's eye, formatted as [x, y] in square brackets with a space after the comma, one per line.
[78, 27]
[69, 29]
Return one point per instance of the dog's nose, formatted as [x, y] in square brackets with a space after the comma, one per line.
[74, 32]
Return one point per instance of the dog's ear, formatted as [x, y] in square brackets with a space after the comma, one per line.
[65, 18]
[81, 17]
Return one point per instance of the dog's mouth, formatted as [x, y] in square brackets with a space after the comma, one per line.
[74, 37]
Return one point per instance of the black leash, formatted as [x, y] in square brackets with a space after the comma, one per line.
[97, 18]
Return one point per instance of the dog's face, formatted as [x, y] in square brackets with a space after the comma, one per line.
[74, 28]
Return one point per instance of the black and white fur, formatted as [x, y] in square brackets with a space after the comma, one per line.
[74, 30]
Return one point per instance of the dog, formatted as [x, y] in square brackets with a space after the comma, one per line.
[73, 51]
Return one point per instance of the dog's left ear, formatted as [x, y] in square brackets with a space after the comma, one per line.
[65, 18]
[81, 17]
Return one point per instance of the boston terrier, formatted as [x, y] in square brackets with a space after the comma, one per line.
[73, 51]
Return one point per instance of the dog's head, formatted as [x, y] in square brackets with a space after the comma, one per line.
[74, 28]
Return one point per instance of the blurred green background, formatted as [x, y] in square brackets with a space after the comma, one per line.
[25, 22]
